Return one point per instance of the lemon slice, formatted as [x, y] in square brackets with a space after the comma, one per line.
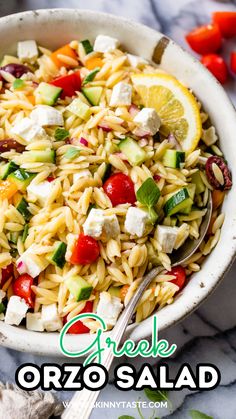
[174, 103]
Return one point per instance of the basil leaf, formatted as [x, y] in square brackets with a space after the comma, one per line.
[126, 417]
[91, 76]
[18, 84]
[61, 134]
[195, 414]
[72, 153]
[148, 193]
[156, 395]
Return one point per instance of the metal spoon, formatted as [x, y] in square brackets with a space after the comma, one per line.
[83, 401]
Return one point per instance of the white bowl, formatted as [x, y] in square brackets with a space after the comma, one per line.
[52, 28]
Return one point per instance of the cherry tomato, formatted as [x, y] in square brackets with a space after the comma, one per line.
[233, 62]
[226, 22]
[205, 39]
[120, 189]
[6, 274]
[86, 250]
[216, 65]
[78, 327]
[180, 276]
[22, 288]
[71, 83]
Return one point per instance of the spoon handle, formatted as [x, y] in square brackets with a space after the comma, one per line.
[83, 401]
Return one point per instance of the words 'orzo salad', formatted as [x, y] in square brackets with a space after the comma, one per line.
[107, 163]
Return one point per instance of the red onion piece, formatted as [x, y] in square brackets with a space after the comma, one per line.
[139, 132]
[21, 267]
[133, 110]
[84, 141]
[143, 142]
[172, 140]
[157, 178]
[105, 127]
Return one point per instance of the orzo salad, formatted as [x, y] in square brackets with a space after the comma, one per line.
[107, 163]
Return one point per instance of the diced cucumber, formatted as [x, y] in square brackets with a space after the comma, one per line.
[134, 153]
[91, 206]
[22, 207]
[9, 59]
[79, 108]
[177, 202]
[58, 256]
[79, 288]
[14, 235]
[107, 172]
[2, 308]
[7, 169]
[93, 94]
[114, 291]
[47, 94]
[191, 191]
[173, 158]
[21, 178]
[25, 233]
[196, 178]
[86, 46]
[42, 156]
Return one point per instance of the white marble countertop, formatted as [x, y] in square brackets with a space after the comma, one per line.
[208, 335]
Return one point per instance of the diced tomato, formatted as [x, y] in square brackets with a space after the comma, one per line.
[6, 273]
[205, 39]
[233, 62]
[216, 65]
[226, 22]
[22, 288]
[180, 276]
[65, 50]
[7, 189]
[70, 84]
[50, 178]
[78, 327]
[86, 250]
[120, 189]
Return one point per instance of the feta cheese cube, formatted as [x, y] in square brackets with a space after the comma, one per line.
[94, 224]
[45, 115]
[27, 50]
[148, 120]
[104, 43]
[28, 130]
[136, 221]
[34, 322]
[121, 94]
[111, 228]
[2, 295]
[135, 60]
[50, 318]
[81, 174]
[166, 236]
[30, 263]
[41, 191]
[16, 310]
[109, 308]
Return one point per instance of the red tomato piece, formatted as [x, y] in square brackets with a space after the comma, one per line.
[69, 83]
[78, 327]
[22, 288]
[120, 189]
[180, 276]
[233, 62]
[226, 22]
[216, 65]
[6, 274]
[205, 39]
[50, 178]
[86, 250]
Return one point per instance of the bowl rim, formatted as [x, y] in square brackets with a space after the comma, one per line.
[47, 343]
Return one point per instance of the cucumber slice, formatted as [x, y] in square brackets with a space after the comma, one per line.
[79, 288]
[47, 94]
[200, 187]
[86, 46]
[93, 94]
[58, 256]
[79, 108]
[22, 207]
[191, 191]
[42, 156]
[114, 291]
[173, 158]
[177, 202]
[25, 233]
[107, 172]
[134, 153]
[7, 169]
[21, 178]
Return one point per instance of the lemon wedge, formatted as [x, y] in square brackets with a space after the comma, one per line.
[174, 103]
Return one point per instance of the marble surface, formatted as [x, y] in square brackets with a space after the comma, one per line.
[208, 335]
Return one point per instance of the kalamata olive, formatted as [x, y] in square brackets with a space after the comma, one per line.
[17, 70]
[217, 180]
[10, 144]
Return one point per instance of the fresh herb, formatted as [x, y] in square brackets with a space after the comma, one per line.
[25, 232]
[61, 134]
[91, 206]
[195, 414]
[18, 84]
[2, 308]
[156, 395]
[91, 75]
[72, 153]
[148, 195]
[87, 46]
[126, 417]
